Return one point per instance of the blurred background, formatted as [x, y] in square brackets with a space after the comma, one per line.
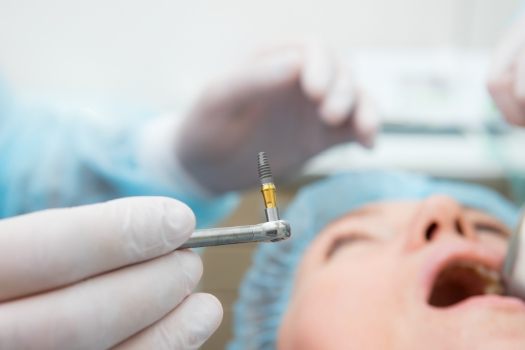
[424, 61]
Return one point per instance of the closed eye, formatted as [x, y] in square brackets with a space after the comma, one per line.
[486, 224]
[343, 241]
[483, 227]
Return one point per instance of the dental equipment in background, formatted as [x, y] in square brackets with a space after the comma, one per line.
[271, 231]
[514, 266]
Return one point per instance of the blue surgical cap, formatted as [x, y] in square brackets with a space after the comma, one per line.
[267, 287]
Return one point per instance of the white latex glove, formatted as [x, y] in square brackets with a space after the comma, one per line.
[100, 275]
[507, 74]
[292, 103]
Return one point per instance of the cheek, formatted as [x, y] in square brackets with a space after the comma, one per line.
[495, 243]
[344, 306]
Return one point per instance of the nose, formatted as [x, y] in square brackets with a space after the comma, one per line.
[438, 217]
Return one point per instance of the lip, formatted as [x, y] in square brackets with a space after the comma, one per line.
[444, 254]
[493, 301]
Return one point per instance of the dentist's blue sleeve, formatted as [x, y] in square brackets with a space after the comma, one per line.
[51, 158]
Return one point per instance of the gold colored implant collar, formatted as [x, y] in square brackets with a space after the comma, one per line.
[268, 189]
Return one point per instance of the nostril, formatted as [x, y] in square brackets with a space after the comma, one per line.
[459, 228]
[431, 230]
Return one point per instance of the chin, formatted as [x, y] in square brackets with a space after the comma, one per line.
[476, 328]
[496, 344]
[495, 329]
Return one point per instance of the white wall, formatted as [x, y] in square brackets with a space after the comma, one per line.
[161, 51]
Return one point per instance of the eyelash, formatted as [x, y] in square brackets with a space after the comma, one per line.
[343, 240]
[491, 233]
[482, 228]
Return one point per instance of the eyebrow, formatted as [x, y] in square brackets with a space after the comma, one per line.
[359, 212]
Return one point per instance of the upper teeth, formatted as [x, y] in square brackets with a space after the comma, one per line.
[491, 277]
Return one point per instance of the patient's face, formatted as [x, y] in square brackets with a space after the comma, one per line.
[405, 275]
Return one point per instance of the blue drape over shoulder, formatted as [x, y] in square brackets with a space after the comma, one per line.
[57, 158]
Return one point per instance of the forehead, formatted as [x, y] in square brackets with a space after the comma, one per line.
[374, 215]
[386, 210]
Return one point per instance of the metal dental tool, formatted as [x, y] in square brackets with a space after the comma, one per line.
[514, 266]
[271, 231]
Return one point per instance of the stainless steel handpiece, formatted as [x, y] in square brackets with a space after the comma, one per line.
[271, 231]
[514, 266]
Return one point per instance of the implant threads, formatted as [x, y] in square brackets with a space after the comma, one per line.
[268, 189]
[265, 173]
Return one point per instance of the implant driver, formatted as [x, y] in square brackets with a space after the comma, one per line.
[271, 231]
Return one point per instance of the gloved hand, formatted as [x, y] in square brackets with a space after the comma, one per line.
[292, 103]
[97, 276]
[506, 81]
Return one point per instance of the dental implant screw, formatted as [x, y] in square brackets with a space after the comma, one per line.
[265, 173]
[268, 189]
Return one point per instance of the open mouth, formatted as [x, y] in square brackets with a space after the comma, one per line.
[460, 280]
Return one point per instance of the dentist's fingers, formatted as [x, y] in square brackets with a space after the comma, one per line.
[52, 248]
[362, 127]
[271, 71]
[519, 89]
[519, 80]
[366, 121]
[502, 90]
[507, 50]
[338, 104]
[318, 71]
[257, 77]
[103, 311]
[506, 82]
[186, 327]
